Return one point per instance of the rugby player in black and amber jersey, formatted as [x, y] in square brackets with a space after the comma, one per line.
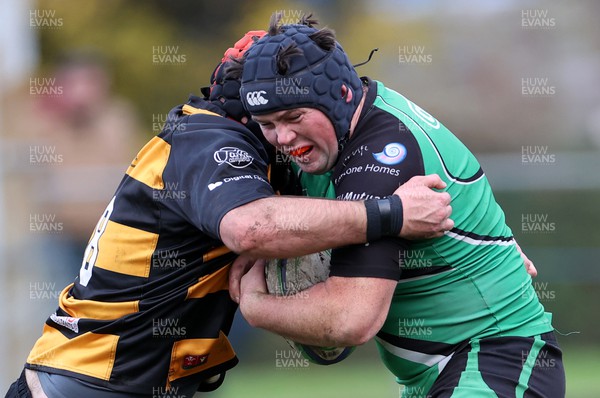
[150, 311]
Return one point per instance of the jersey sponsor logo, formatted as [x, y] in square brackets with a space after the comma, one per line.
[375, 168]
[191, 361]
[217, 184]
[360, 151]
[233, 156]
[214, 185]
[423, 115]
[66, 321]
[347, 172]
[254, 98]
[357, 196]
[368, 168]
[393, 153]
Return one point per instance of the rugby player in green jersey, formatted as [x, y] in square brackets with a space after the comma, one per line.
[453, 316]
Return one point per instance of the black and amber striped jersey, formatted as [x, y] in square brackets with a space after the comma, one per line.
[150, 308]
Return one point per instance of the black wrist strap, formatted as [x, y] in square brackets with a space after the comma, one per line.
[396, 216]
[384, 217]
[373, 220]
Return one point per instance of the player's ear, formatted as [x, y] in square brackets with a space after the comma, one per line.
[346, 93]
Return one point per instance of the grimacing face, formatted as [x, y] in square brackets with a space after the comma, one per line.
[306, 134]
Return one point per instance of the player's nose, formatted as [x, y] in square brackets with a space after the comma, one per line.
[285, 135]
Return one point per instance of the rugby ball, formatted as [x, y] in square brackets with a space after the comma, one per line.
[290, 277]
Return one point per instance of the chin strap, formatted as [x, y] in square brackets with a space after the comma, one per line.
[368, 59]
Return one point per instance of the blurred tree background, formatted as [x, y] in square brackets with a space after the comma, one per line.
[127, 33]
[473, 65]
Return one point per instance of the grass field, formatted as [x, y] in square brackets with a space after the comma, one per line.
[362, 375]
[582, 365]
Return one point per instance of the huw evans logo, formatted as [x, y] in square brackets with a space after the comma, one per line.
[45, 86]
[168, 259]
[290, 359]
[288, 223]
[541, 361]
[413, 55]
[413, 328]
[539, 289]
[45, 223]
[537, 223]
[410, 259]
[539, 87]
[168, 55]
[537, 155]
[291, 86]
[289, 17]
[168, 327]
[171, 191]
[43, 291]
[414, 392]
[160, 120]
[44, 154]
[44, 19]
[537, 19]
[163, 392]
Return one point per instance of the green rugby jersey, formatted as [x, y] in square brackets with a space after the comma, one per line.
[469, 284]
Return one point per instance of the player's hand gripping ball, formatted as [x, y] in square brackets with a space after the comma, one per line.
[290, 277]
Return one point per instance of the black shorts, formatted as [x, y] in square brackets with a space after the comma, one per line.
[57, 385]
[504, 367]
[19, 388]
